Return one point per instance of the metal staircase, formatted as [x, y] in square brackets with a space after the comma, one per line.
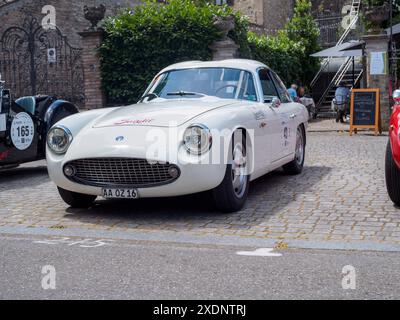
[345, 74]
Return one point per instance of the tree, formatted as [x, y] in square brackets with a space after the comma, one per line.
[303, 30]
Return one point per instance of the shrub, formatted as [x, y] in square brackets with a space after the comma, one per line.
[283, 57]
[303, 32]
[138, 45]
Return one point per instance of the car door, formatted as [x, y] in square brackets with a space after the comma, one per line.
[273, 123]
[257, 121]
[287, 114]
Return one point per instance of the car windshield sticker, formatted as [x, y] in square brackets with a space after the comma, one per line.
[22, 131]
[3, 126]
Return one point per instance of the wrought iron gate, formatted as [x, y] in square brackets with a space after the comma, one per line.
[38, 61]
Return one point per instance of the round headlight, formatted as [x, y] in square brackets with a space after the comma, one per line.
[197, 139]
[59, 139]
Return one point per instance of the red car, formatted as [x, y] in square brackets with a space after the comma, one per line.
[392, 166]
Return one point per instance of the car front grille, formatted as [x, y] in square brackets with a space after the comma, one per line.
[106, 172]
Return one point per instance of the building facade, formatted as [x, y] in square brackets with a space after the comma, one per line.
[269, 16]
[33, 61]
[38, 61]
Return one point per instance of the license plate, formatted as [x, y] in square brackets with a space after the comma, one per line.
[120, 193]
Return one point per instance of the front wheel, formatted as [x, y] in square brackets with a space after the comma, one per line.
[231, 194]
[392, 174]
[297, 165]
[76, 200]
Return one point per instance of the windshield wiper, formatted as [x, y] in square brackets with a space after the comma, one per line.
[185, 93]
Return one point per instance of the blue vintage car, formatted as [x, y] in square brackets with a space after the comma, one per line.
[24, 124]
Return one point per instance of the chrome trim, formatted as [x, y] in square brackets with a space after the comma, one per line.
[208, 131]
[121, 172]
[69, 134]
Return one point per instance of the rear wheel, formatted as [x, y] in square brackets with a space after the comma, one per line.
[392, 174]
[296, 166]
[76, 200]
[231, 194]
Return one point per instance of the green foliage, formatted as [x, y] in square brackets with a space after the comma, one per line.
[370, 3]
[283, 57]
[303, 31]
[139, 44]
[302, 27]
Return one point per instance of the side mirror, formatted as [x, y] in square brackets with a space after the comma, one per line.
[276, 103]
[396, 96]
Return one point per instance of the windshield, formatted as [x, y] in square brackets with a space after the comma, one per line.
[223, 83]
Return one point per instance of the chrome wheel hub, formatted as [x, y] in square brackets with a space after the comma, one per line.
[299, 147]
[239, 171]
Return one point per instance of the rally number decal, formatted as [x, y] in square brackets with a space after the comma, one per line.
[22, 131]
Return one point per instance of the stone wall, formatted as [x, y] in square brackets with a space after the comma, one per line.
[266, 16]
[334, 6]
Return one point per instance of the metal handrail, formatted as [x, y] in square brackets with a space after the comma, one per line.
[355, 9]
[346, 68]
[341, 72]
[338, 78]
[358, 77]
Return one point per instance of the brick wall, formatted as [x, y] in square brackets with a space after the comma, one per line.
[266, 16]
[94, 96]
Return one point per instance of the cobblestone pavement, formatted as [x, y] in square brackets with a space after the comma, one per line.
[340, 196]
[324, 125]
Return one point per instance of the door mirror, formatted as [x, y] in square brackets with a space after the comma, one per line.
[276, 103]
[396, 96]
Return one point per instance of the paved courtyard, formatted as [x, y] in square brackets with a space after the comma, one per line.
[339, 198]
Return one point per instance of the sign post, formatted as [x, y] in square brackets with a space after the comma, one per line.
[365, 110]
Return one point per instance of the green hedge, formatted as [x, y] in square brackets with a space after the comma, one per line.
[286, 60]
[139, 44]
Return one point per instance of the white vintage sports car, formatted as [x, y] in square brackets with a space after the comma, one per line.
[200, 126]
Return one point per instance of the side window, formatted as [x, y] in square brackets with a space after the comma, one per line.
[248, 89]
[268, 87]
[283, 93]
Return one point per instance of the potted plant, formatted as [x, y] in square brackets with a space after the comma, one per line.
[375, 13]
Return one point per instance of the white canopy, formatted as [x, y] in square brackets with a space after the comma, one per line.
[395, 29]
[348, 49]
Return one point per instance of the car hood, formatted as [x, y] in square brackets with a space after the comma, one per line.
[169, 113]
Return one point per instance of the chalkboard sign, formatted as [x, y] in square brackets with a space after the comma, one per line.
[365, 110]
